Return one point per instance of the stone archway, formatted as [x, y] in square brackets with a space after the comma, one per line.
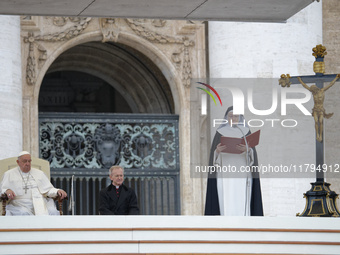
[177, 48]
[129, 72]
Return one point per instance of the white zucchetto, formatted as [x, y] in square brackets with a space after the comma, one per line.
[23, 153]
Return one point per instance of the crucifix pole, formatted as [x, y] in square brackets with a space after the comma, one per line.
[320, 199]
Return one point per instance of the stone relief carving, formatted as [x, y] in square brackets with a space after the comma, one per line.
[156, 37]
[186, 69]
[31, 63]
[138, 28]
[33, 41]
[62, 21]
[176, 58]
[109, 29]
[29, 23]
[158, 22]
[59, 21]
[156, 31]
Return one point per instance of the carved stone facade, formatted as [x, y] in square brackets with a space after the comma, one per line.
[176, 48]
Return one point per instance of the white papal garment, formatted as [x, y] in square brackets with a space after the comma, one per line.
[36, 200]
[234, 194]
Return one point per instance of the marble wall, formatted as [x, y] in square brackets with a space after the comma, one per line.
[10, 87]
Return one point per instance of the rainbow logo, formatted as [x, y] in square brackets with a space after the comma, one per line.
[211, 88]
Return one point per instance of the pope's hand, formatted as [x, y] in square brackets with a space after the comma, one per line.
[62, 194]
[10, 194]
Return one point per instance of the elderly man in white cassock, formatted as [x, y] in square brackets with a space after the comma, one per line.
[29, 190]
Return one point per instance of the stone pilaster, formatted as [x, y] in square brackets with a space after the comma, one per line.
[10, 87]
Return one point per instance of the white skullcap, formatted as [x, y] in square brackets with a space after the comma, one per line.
[23, 153]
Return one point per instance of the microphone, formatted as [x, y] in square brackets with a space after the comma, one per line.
[71, 204]
[247, 161]
[245, 141]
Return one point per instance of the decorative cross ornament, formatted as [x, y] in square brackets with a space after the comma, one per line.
[320, 199]
[317, 90]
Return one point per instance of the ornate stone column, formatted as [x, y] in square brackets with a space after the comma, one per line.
[10, 87]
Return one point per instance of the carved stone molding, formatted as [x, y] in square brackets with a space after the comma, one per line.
[34, 42]
[158, 22]
[109, 29]
[156, 31]
[185, 43]
[30, 23]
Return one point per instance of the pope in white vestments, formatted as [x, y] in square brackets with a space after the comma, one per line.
[29, 190]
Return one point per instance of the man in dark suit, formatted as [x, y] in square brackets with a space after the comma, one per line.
[117, 199]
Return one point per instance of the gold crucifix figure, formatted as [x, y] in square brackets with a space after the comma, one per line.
[318, 110]
[318, 90]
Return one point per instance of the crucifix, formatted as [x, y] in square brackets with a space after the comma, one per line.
[320, 199]
[26, 188]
